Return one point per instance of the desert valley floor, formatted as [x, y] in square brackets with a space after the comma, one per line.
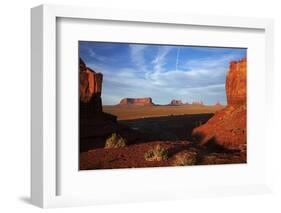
[145, 127]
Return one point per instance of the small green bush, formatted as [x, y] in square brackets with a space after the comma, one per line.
[158, 153]
[115, 141]
[185, 158]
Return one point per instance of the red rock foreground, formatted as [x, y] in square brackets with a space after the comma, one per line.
[227, 127]
[132, 156]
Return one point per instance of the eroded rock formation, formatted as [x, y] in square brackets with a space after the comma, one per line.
[236, 80]
[176, 102]
[90, 89]
[137, 101]
[93, 121]
[227, 127]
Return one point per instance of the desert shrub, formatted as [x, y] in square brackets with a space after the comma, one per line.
[115, 141]
[185, 158]
[157, 153]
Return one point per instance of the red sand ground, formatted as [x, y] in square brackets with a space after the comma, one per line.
[132, 156]
[172, 132]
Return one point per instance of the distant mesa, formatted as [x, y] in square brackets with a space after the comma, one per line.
[136, 102]
[200, 103]
[176, 102]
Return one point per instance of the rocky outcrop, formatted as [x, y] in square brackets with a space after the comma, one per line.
[93, 121]
[90, 89]
[236, 87]
[90, 84]
[176, 102]
[136, 102]
[227, 127]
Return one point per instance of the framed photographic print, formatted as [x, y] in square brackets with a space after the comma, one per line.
[149, 105]
[130, 106]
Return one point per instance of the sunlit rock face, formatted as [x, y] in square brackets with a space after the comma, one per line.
[227, 128]
[236, 83]
[93, 121]
[90, 89]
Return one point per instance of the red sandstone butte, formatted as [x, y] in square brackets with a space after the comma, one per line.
[137, 101]
[236, 80]
[228, 126]
[93, 121]
[90, 83]
[176, 102]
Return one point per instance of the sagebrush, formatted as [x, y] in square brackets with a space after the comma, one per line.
[157, 153]
[185, 158]
[115, 141]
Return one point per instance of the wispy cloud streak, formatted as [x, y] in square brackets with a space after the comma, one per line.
[163, 72]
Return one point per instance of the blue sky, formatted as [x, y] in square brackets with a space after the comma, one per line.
[162, 72]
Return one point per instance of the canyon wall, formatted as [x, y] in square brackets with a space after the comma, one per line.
[227, 127]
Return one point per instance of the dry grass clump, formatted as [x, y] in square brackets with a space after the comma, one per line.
[157, 153]
[185, 158]
[115, 141]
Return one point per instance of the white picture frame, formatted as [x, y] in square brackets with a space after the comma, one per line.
[44, 154]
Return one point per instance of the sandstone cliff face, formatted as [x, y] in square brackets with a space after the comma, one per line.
[93, 121]
[137, 101]
[90, 89]
[227, 127]
[236, 87]
[90, 84]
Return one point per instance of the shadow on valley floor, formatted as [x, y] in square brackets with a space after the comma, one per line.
[144, 130]
[170, 128]
[173, 133]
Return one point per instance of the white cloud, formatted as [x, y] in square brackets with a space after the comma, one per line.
[188, 86]
[159, 60]
[210, 62]
[137, 56]
[201, 79]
